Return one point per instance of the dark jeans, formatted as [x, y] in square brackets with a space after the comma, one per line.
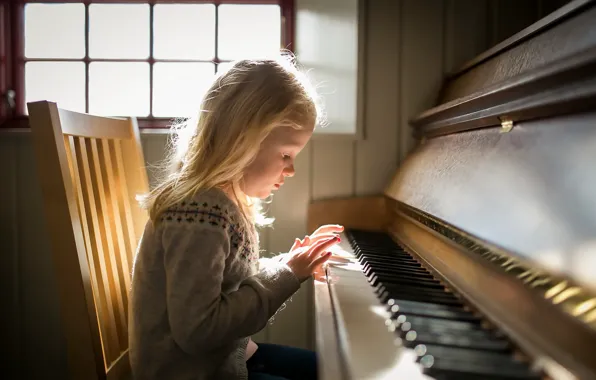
[275, 362]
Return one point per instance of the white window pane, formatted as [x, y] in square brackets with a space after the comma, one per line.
[119, 30]
[119, 88]
[184, 31]
[54, 30]
[248, 30]
[178, 88]
[60, 82]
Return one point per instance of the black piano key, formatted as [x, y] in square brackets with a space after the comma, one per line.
[421, 294]
[385, 295]
[405, 279]
[430, 323]
[479, 338]
[396, 269]
[389, 260]
[417, 294]
[384, 256]
[413, 286]
[413, 338]
[442, 368]
[474, 356]
[369, 270]
[430, 310]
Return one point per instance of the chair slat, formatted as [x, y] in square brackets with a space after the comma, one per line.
[114, 185]
[136, 176]
[127, 221]
[84, 125]
[108, 324]
[105, 217]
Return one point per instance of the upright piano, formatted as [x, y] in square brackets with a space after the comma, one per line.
[479, 259]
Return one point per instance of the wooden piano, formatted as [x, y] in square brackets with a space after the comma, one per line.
[479, 260]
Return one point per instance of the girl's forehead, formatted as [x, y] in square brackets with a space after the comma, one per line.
[286, 135]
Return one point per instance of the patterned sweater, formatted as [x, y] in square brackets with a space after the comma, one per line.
[198, 293]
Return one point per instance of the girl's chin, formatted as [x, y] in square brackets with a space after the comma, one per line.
[264, 192]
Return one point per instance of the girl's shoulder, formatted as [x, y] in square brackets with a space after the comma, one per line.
[210, 209]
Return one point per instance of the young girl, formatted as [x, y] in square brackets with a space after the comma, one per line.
[199, 290]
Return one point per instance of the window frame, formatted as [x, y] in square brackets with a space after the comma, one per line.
[12, 53]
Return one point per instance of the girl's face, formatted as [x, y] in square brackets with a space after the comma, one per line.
[275, 161]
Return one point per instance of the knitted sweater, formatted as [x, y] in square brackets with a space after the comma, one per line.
[198, 293]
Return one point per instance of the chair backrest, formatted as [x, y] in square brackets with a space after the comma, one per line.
[91, 169]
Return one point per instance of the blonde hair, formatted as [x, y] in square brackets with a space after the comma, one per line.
[242, 106]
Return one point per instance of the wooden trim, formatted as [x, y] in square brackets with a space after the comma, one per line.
[150, 123]
[17, 53]
[4, 59]
[363, 25]
[557, 342]
[366, 213]
[216, 2]
[539, 26]
[288, 12]
[330, 363]
[561, 87]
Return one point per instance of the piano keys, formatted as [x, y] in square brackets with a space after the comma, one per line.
[380, 289]
[478, 260]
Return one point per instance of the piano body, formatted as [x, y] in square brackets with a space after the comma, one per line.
[479, 260]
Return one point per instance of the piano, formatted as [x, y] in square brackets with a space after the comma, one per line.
[478, 261]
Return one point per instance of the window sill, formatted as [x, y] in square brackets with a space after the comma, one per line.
[157, 127]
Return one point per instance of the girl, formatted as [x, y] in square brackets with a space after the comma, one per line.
[199, 290]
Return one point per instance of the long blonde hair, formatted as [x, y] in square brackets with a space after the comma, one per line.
[242, 106]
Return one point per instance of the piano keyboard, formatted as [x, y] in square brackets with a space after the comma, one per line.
[433, 335]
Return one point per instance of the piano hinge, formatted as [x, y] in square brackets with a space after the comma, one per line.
[506, 124]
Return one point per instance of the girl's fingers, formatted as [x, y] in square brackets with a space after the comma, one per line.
[320, 260]
[314, 239]
[316, 247]
[329, 228]
[297, 244]
[322, 245]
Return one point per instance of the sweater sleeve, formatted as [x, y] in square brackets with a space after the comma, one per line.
[200, 314]
[265, 262]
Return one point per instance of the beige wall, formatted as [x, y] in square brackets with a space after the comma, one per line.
[409, 45]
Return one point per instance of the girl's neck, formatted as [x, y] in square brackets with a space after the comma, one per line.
[229, 191]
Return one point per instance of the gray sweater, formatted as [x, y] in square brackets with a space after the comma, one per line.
[198, 293]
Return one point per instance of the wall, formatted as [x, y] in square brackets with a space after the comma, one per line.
[408, 46]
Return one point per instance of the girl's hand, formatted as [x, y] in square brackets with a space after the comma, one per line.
[305, 261]
[323, 232]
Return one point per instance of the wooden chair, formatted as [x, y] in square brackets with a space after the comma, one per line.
[91, 168]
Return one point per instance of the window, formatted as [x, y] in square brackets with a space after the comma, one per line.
[149, 59]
